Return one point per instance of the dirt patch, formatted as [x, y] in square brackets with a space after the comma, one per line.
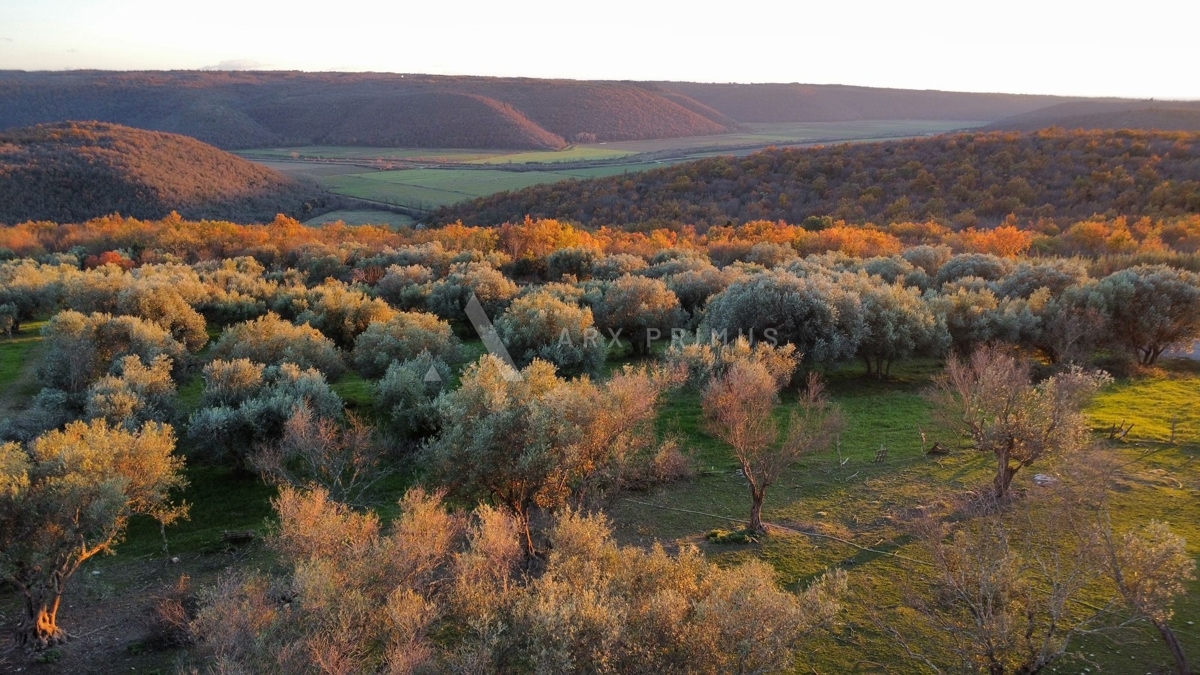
[109, 616]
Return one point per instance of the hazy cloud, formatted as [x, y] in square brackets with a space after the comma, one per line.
[5, 39]
[238, 64]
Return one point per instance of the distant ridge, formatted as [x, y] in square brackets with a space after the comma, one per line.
[234, 110]
[73, 171]
[1112, 114]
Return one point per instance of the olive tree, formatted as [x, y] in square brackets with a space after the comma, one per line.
[81, 349]
[618, 265]
[164, 306]
[344, 460]
[706, 361]
[695, 287]
[448, 296]
[982, 265]
[343, 312]
[66, 498]
[407, 395]
[539, 441]
[134, 394]
[990, 397]
[10, 321]
[405, 286]
[639, 308]
[438, 592]
[739, 407]
[576, 262]
[821, 317]
[541, 326]
[271, 341]
[246, 405]
[402, 338]
[1151, 308]
[899, 324]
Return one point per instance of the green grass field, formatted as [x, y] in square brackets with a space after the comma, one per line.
[431, 188]
[18, 361]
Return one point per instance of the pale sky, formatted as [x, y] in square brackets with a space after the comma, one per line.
[1144, 49]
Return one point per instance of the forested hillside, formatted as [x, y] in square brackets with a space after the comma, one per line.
[73, 171]
[244, 109]
[965, 180]
[1108, 114]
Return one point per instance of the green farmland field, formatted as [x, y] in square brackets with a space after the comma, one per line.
[431, 188]
[426, 178]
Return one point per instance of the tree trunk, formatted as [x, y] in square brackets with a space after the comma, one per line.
[40, 627]
[1168, 636]
[1004, 476]
[756, 502]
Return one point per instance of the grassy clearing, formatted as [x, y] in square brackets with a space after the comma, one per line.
[848, 495]
[18, 363]
[1152, 405]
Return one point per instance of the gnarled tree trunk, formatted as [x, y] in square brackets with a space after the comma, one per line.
[39, 628]
[756, 503]
[1004, 476]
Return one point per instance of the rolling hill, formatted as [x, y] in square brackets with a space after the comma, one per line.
[239, 110]
[966, 179]
[1109, 114]
[73, 171]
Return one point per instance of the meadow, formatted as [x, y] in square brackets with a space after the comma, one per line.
[427, 189]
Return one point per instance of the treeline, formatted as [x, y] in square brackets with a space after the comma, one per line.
[285, 241]
[962, 180]
[74, 171]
